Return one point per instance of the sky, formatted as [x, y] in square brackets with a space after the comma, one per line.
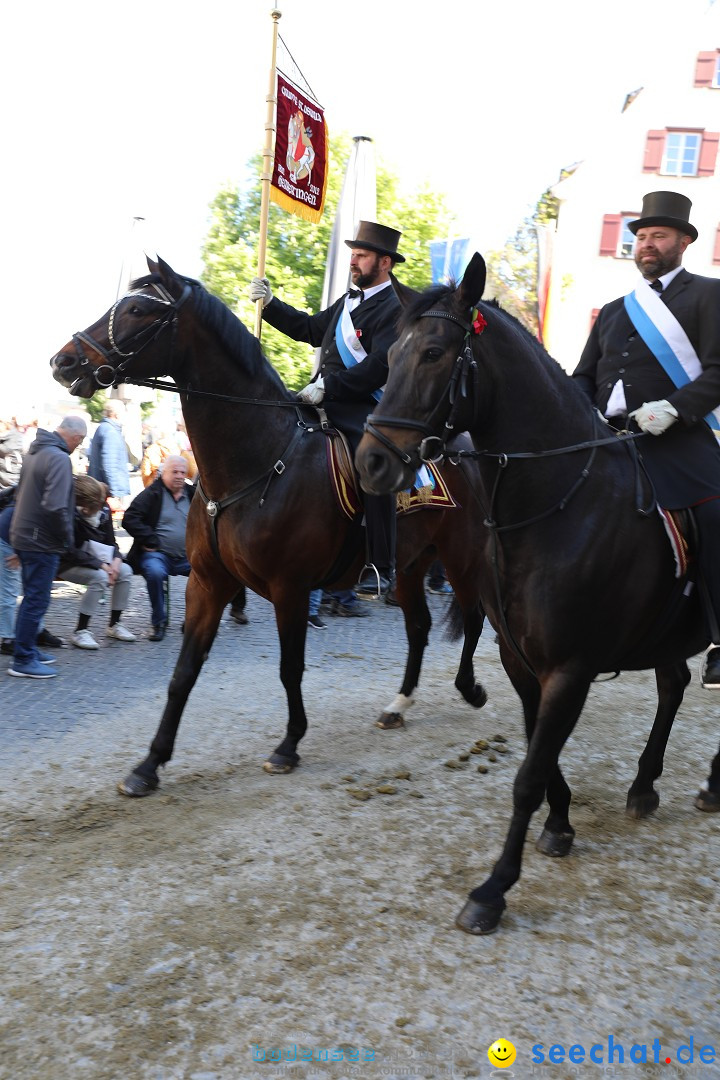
[115, 112]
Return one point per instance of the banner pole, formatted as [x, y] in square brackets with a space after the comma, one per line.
[268, 162]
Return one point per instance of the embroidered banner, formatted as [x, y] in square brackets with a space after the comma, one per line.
[300, 168]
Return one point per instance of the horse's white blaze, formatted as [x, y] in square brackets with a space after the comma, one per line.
[400, 705]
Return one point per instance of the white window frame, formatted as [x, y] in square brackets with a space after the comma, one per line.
[626, 240]
[684, 153]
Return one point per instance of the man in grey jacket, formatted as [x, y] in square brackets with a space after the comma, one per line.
[42, 528]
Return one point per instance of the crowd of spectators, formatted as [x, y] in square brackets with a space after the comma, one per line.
[63, 492]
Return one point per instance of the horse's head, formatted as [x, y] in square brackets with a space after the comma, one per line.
[430, 394]
[134, 338]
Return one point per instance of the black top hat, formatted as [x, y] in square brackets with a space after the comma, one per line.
[665, 208]
[378, 238]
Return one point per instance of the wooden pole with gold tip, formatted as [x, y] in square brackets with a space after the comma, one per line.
[268, 160]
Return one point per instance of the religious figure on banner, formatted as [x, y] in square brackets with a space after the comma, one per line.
[300, 153]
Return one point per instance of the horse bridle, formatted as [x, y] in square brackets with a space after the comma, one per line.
[110, 373]
[464, 372]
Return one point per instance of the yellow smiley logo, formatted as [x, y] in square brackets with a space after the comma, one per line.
[501, 1053]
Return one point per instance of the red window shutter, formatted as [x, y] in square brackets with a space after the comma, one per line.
[654, 147]
[716, 252]
[708, 153]
[705, 68]
[610, 237]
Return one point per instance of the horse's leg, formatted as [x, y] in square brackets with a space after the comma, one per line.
[291, 615]
[561, 700]
[473, 618]
[671, 681]
[411, 597]
[203, 611]
[708, 798]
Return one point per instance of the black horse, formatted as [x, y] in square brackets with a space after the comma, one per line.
[578, 573]
[265, 513]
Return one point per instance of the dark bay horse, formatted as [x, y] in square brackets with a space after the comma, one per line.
[577, 574]
[264, 513]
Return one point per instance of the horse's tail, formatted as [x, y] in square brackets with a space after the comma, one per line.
[454, 623]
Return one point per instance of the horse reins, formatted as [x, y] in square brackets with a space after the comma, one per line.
[137, 342]
[465, 372]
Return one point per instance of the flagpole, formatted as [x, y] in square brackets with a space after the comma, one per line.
[268, 161]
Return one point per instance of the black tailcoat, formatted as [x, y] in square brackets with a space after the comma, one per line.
[683, 462]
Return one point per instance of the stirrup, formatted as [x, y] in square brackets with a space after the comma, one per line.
[358, 588]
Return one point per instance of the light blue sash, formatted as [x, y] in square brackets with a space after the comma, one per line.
[350, 357]
[663, 351]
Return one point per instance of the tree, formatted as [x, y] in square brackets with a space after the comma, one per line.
[513, 272]
[297, 249]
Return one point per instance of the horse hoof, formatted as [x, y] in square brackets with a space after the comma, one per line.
[478, 697]
[278, 766]
[136, 786]
[556, 845]
[479, 919]
[390, 721]
[642, 806]
[708, 801]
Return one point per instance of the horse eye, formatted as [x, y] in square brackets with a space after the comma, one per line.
[431, 355]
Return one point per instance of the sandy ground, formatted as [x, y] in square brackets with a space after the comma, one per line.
[234, 918]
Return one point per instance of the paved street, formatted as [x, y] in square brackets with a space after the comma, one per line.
[99, 695]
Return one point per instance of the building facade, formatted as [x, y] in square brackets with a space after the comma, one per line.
[665, 139]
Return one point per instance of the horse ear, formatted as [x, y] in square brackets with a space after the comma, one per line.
[152, 266]
[472, 285]
[403, 292]
[164, 269]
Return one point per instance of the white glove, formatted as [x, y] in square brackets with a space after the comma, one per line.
[260, 290]
[654, 417]
[314, 392]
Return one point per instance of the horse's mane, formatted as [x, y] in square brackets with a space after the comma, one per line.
[232, 334]
[518, 333]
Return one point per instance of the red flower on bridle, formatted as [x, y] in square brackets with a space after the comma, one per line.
[479, 322]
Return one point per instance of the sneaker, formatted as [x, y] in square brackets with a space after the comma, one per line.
[44, 658]
[238, 616]
[83, 639]
[441, 590]
[31, 670]
[7, 646]
[50, 641]
[316, 622]
[711, 669]
[120, 633]
[350, 611]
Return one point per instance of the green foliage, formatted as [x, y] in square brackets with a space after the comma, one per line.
[513, 272]
[296, 250]
[95, 405]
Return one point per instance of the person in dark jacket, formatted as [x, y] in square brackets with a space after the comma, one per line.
[95, 561]
[41, 529]
[354, 335]
[156, 519]
[652, 362]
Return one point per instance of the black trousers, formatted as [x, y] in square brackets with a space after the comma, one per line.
[380, 510]
[707, 516]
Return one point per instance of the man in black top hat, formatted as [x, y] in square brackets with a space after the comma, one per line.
[653, 358]
[354, 335]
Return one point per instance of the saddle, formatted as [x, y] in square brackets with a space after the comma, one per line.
[682, 532]
[431, 495]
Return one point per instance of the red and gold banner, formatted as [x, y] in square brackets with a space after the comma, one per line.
[300, 168]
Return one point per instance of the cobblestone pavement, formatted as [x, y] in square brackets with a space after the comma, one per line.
[98, 689]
